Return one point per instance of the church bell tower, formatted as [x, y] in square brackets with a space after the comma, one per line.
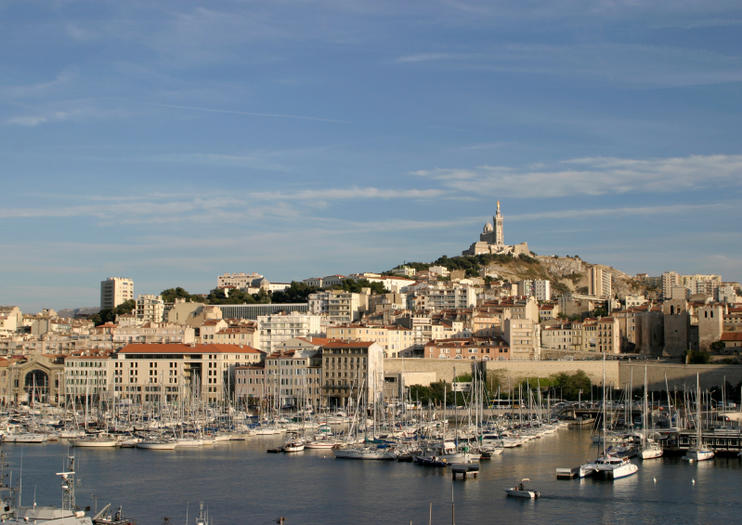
[499, 235]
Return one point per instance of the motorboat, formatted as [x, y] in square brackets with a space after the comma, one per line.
[294, 446]
[521, 491]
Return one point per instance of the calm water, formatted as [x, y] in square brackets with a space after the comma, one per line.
[240, 483]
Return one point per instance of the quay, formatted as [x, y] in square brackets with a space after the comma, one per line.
[721, 440]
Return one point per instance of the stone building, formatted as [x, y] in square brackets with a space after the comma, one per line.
[31, 379]
[351, 371]
[492, 240]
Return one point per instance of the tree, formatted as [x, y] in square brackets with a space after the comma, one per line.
[108, 315]
[171, 294]
[696, 357]
[296, 293]
[355, 286]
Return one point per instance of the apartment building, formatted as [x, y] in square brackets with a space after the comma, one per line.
[150, 308]
[351, 370]
[277, 328]
[395, 340]
[538, 288]
[471, 348]
[114, 291]
[599, 283]
[87, 377]
[159, 373]
[293, 378]
[338, 306]
[523, 337]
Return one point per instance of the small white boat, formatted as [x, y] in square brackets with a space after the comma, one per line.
[157, 445]
[587, 470]
[186, 442]
[521, 491]
[101, 441]
[321, 444]
[651, 450]
[699, 454]
[25, 437]
[613, 467]
[293, 446]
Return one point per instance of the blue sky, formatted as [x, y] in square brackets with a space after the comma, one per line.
[173, 141]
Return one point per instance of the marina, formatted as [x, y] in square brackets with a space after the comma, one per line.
[240, 483]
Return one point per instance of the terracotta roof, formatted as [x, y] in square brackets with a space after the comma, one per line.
[731, 336]
[335, 343]
[179, 348]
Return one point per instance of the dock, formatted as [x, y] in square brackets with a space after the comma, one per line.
[464, 470]
[567, 472]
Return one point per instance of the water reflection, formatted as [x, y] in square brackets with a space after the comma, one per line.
[243, 484]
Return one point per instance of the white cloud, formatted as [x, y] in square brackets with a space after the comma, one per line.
[349, 193]
[595, 176]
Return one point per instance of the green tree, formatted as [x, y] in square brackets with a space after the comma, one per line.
[296, 293]
[171, 294]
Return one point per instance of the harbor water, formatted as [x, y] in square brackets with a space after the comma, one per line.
[240, 483]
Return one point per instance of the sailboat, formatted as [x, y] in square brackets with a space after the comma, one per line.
[698, 452]
[650, 449]
[608, 466]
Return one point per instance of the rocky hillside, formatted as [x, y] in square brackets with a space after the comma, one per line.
[567, 274]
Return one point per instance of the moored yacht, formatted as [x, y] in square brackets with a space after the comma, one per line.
[613, 467]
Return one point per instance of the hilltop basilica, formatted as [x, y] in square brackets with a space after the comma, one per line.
[492, 240]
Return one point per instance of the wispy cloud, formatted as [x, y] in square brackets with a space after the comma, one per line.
[595, 176]
[632, 211]
[37, 88]
[253, 113]
[629, 64]
[72, 112]
[349, 194]
[433, 57]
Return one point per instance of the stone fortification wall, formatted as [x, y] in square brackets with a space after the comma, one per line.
[513, 371]
[678, 375]
[618, 373]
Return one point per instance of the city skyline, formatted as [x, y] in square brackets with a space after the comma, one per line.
[172, 143]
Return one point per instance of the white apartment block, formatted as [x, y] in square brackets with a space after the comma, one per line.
[704, 284]
[524, 339]
[635, 300]
[338, 306]
[150, 308]
[563, 337]
[278, 328]
[396, 341]
[239, 280]
[114, 291]
[599, 283]
[293, 378]
[600, 335]
[727, 294]
[11, 319]
[87, 377]
[153, 333]
[538, 288]
[436, 297]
